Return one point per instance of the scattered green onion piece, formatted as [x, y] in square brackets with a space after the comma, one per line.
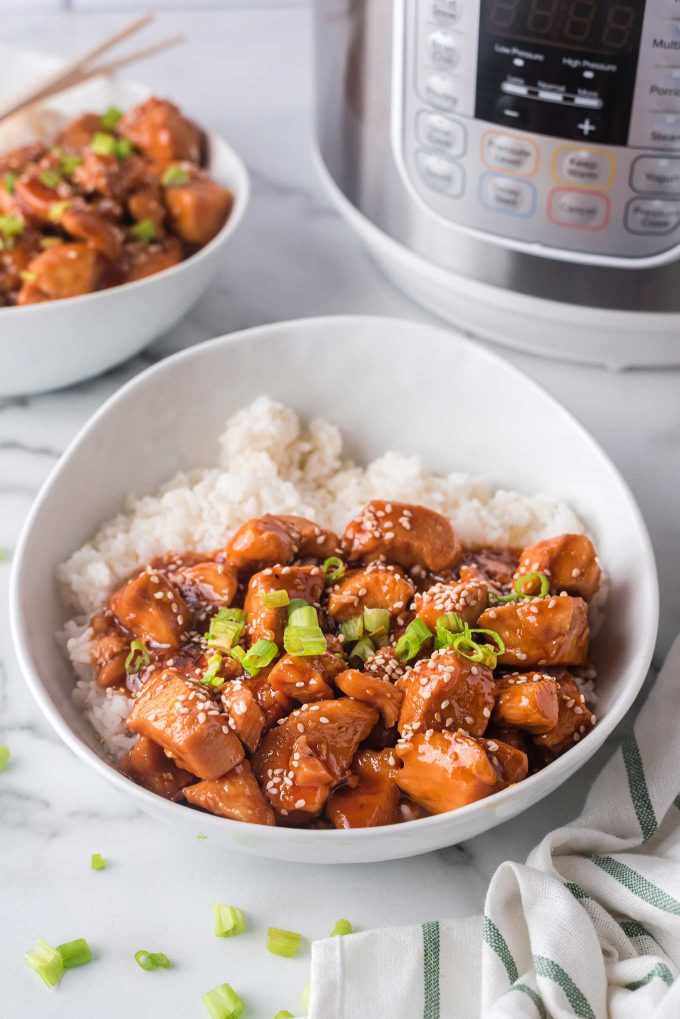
[296, 603]
[10, 182]
[98, 862]
[11, 227]
[151, 960]
[377, 624]
[122, 148]
[283, 1014]
[260, 655]
[226, 627]
[341, 928]
[103, 143]
[447, 627]
[57, 210]
[411, 641]
[275, 599]
[46, 961]
[68, 163]
[109, 119]
[27, 276]
[465, 645]
[362, 650]
[50, 178]
[285, 943]
[210, 677]
[302, 641]
[4, 756]
[174, 176]
[75, 953]
[223, 1003]
[521, 584]
[138, 657]
[496, 638]
[334, 569]
[229, 921]
[201, 837]
[352, 629]
[145, 230]
[303, 615]
[305, 995]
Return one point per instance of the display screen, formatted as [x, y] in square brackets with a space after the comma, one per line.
[595, 26]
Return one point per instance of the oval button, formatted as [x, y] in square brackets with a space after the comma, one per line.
[584, 167]
[582, 210]
[441, 174]
[447, 10]
[510, 153]
[441, 91]
[441, 47]
[652, 216]
[507, 194]
[656, 175]
[440, 132]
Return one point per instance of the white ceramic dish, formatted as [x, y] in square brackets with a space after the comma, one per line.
[47, 346]
[387, 384]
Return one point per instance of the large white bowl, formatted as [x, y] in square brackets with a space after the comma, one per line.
[46, 346]
[387, 384]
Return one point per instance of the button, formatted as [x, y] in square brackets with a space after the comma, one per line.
[441, 174]
[587, 126]
[447, 10]
[510, 153]
[583, 210]
[584, 167]
[440, 132]
[511, 111]
[663, 88]
[441, 47]
[662, 130]
[652, 216]
[440, 90]
[656, 175]
[507, 194]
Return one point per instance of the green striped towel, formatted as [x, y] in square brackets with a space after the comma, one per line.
[588, 927]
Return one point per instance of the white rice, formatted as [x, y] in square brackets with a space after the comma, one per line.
[271, 463]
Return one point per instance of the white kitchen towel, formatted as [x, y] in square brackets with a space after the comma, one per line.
[588, 927]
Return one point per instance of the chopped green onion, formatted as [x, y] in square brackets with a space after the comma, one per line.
[302, 615]
[145, 230]
[305, 995]
[11, 227]
[296, 603]
[283, 1014]
[103, 143]
[226, 628]
[302, 641]
[465, 645]
[447, 627]
[98, 862]
[411, 641]
[46, 961]
[68, 163]
[174, 176]
[341, 927]
[362, 650]
[75, 953]
[258, 657]
[10, 182]
[50, 178]
[229, 921]
[223, 1003]
[377, 624]
[210, 677]
[151, 960]
[519, 589]
[109, 119]
[201, 837]
[57, 210]
[352, 629]
[285, 943]
[138, 657]
[4, 756]
[27, 276]
[122, 148]
[334, 569]
[275, 599]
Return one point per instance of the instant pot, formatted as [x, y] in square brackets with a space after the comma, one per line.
[514, 165]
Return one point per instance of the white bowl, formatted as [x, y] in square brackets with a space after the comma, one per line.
[387, 384]
[46, 346]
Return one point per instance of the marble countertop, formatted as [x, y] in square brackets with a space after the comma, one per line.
[247, 73]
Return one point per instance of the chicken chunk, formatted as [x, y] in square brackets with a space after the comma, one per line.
[66, 270]
[276, 540]
[467, 598]
[142, 259]
[151, 608]
[374, 800]
[235, 795]
[206, 584]
[306, 678]
[95, 230]
[403, 534]
[445, 770]
[109, 176]
[180, 716]
[447, 691]
[376, 586]
[274, 704]
[569, 561]
[158, 129]
[511, 763]
[147, 203]
[79, 133]
[37, 201]
[541, 631]
[245, 715]
[574, 719]
[310, 539]
[109, 654]
[378, 692]
[384, 664]
[149, 766]
[198, 209]
[527, 701]
[304, 582]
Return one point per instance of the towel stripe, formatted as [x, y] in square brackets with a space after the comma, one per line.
[660, 970]
[638, 787]
[431, 967]
[633, 929]
[497, 942]
[676, 801]
[531, 993]
[575, 996]
[576, 890]
[637, 884]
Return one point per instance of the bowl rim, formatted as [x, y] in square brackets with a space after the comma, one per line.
[541, 783]
[216, 144]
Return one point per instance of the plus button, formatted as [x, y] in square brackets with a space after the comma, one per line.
[586, 126]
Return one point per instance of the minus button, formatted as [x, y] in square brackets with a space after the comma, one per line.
[551, 97]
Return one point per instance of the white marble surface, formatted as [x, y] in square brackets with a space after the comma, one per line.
[248, 75]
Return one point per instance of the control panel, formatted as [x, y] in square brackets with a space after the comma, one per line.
[549, 122]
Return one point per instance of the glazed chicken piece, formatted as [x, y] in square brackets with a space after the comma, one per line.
[334, 729]
[147, 203]
[15, 260]
[151, 608]
[245, 715]
[494, 566]
[306, 678]
[542, 631]
[235, 795]
[574, 719]
[144, 258]
[148, 766]
[407, 535]
[374, 800]
[274, 704]
[179, 715]
[377, 692]
[198, 209]
[527, 701]
[79, 133]
[384, 664]
[39, 202]
[277, 540]
[445, 770]
[94, 229]
[569, 561]
[206, 584]
[377, 586]
[447, 691]
[19, 158]
[66, 270]
[158, 129]
[109, 654]
[109, 176]
[467, 598]
[511, 763]
[304, 582]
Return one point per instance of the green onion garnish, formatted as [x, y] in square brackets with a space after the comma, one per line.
[151, 960]
[145, 230]
[75, 953]
[174, 176]
[50, 178]
[301, 641]
[97, 862]
[519, 589]
[465, 644]
[68, 163]
[57, 210]
[27, 276]
[302, 615]
[341, 927]
[226, 628]
[334, 569]
[305, 995]
[352, 629]
[210, 677]
[447, 627]
[362, 650]
[46, 961]
[11, 227]
[377, 624]
[229, 921]
[258, 657]
[275, 599]
[10, 182]
[109, 119]
[4, 756]
[138, 657]
[223, 1003]
[283, 1014]
[285, 943]
[122, 148]
[103, 143]
[411, 641]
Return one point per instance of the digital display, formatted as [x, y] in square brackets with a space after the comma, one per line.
[594, 26]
